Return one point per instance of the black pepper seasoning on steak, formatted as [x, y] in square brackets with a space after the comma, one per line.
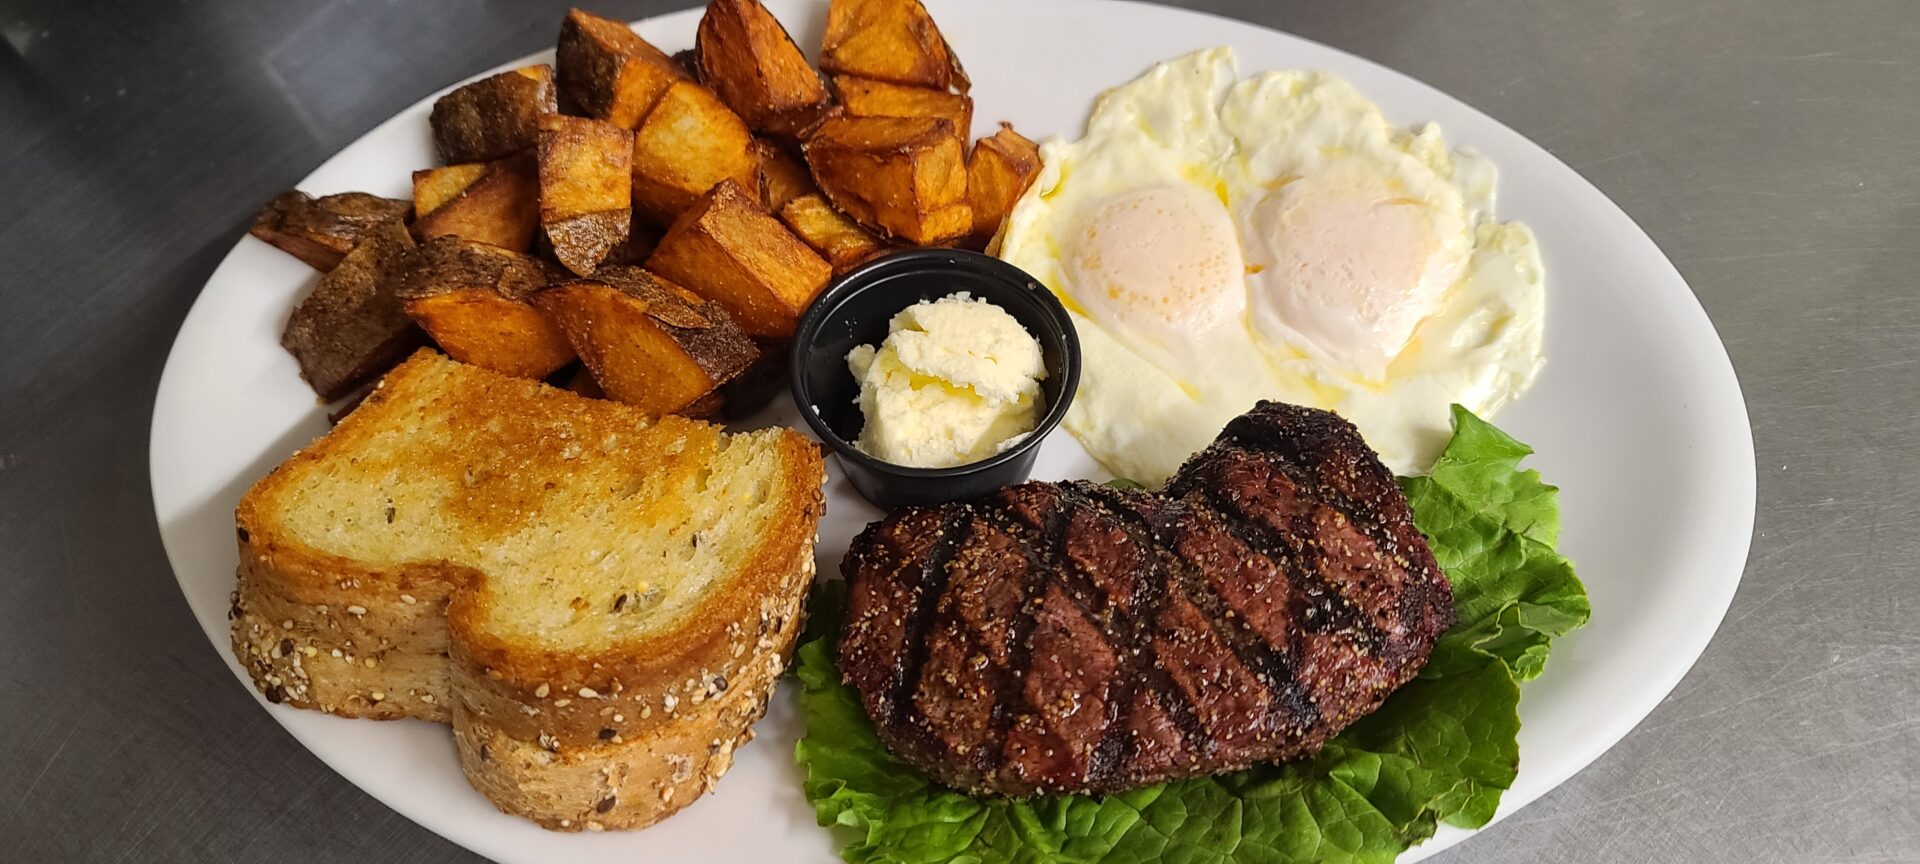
[1072, 637]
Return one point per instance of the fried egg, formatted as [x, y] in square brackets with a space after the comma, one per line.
[1221, 240]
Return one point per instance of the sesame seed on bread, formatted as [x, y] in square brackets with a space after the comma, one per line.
[598, 602]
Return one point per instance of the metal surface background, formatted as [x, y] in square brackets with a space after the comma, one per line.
[1771, 147]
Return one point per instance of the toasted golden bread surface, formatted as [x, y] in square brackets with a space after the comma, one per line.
[538, 568]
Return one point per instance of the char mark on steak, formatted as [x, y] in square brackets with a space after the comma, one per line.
[1072, 637]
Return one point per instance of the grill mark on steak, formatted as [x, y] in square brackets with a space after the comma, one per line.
[1274, 593]
[1141, 670]
[1340, 484]
[1125, 611]
[1326, 609]
[1042, 555]
[1290, 707]
[926, 601]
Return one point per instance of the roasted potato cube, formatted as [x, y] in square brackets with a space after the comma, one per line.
[750, 61]
[690, 141]
[353, 326]
[494, 116]
[321, 231]
[866, 97]
[496, 202]
[837, 238]
[609, 72]
[889, 40]
[783, 177]
[1001, 168]
[728, 250]
[433, 187]
[904, 177]
[650, 343]
[586, 177]
[471, 298]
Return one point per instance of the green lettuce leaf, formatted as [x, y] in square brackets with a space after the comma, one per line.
[1442, 749]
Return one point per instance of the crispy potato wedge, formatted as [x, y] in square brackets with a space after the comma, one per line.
[904, 177]
[749, 60]
[728, 250]
[321, 231]
[493, 116]
[690, 141]
[837, 238]
[783, 177]
[586, 177]
[608, 72]
[999, 171]
[867, 97]
[353, 326]
[500, 204]
[650, 343]
[471, 298]
[889, 40]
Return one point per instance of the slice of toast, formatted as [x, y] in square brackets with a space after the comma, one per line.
[598, 602]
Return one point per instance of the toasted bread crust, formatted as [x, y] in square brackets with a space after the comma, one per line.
[561, 727]
[625, 774]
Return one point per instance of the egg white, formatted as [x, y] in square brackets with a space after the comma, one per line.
[1173, 351]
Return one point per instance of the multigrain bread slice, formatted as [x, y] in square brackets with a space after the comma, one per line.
[599, 603]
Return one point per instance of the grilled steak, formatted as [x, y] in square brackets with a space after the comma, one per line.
[1072, 637]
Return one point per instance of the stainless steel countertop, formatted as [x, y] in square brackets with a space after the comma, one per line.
[1771, 147]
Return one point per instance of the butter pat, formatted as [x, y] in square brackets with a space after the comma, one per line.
[955, 381]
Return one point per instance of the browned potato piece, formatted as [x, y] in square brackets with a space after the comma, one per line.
[609, 72]
[783, 177]
[353, 327]
[494, 116]
[471, 298]
[320, 231]
[889, 40]
[586, 177]
[748, 58]
[730, 251]
[433, 187]
[690, 141]
[838, 239]
[500, 205]
[904, 177]
[1001, 168]
[650, 343]
[866, 97]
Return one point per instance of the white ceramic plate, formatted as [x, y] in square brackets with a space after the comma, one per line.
[1638, 418]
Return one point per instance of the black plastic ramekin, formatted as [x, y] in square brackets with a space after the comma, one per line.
[855, 310]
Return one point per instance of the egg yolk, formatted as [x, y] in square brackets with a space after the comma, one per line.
[1347, 262]
[1161, 265]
